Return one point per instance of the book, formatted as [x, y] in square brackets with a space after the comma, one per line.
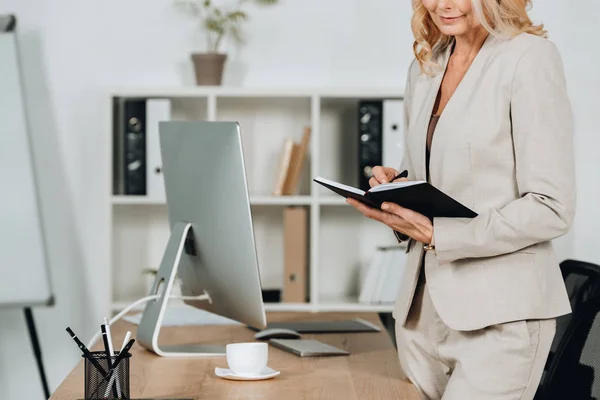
[284, 166]
[299, 153]
[419, 196]
[291, 165]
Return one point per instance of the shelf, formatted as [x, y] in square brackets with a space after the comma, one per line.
[333, 306]
[280, 200]
[261, 92]
[341, 242]
[332, 201]
[254, 200]
[135, 200]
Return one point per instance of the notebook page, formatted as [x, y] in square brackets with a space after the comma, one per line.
[394, 185]
[340, 185]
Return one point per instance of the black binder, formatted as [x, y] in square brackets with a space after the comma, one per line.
[129, 146]
[419, 196]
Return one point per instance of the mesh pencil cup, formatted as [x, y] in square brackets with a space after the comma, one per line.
[103, 383]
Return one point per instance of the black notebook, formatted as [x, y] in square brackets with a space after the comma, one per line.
[419, 196]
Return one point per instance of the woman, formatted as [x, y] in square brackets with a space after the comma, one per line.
[489, 123]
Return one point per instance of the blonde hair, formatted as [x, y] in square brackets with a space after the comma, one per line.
[502, 18]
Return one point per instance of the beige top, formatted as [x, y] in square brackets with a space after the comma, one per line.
[430, 130]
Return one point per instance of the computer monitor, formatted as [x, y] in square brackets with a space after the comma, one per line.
[211, 248]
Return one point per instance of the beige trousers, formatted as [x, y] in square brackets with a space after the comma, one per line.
[499, 362]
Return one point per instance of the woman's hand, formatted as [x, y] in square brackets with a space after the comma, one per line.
[384, 175]
[400, 219]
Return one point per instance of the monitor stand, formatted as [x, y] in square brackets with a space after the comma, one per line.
[152, 317]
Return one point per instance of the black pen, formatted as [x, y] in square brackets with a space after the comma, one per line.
[123, 353]
[120, 356]
[86, 352]
[403, 174]
[112, 370]
[106, 345]
[108, 355]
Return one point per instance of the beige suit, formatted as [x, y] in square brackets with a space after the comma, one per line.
[503, 146]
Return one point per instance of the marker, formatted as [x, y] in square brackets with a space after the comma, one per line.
[115, 364]
[124, 351]
[106, 350]
[111, 353]
[106, 345]
[86, 352]
[112, 379]
[127, 337]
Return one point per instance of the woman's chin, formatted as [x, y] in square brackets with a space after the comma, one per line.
[453, 30]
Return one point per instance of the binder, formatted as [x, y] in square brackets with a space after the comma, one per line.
[295, 254]
[393, 133]
[129, 146]
[156, 110]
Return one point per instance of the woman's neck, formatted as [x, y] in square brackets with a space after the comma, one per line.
[468, 45]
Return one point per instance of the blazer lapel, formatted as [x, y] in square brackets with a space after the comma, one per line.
[433, 86]
[454, 108]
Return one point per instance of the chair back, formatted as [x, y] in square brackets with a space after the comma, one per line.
[573, 367]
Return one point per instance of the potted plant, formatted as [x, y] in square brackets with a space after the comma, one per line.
[218, 22]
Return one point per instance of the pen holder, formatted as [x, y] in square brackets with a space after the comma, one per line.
[114, 384]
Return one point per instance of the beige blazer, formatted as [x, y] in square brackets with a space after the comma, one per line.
[503, 146]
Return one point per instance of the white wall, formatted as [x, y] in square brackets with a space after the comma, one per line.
[91, 44]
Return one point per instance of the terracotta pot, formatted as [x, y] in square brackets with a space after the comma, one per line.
[209, 68]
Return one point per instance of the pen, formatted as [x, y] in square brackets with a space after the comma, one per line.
[111, 352]
[120, 356]
[124, 351]
[108, 337]
[106, 350]
[106, 346]
[125, 340]
[112, 379]
[403, 174]
[86, 352]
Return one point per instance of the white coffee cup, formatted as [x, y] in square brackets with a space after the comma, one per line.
[247, 358]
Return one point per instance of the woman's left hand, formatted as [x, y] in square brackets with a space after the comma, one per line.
[400, 219]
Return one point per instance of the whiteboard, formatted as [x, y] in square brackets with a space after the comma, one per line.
[24, 275]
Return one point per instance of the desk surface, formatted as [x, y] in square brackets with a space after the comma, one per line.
[372, 371]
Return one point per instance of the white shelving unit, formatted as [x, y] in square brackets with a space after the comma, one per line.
[341, 241]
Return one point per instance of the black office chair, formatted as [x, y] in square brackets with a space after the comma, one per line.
[573, 367]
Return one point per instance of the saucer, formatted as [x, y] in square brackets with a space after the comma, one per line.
[226, 373]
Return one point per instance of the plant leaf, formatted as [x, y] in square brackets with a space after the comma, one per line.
[266, 2]
[237, 16]
[214, 25]
[191, 7]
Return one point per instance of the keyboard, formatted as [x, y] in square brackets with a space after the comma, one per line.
[307, 348]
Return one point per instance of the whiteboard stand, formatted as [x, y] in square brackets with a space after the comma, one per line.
[23, 259]
[37, 350]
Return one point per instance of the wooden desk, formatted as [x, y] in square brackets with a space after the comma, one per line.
[372, 371]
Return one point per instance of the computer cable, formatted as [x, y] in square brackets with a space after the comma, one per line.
[142, 301]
